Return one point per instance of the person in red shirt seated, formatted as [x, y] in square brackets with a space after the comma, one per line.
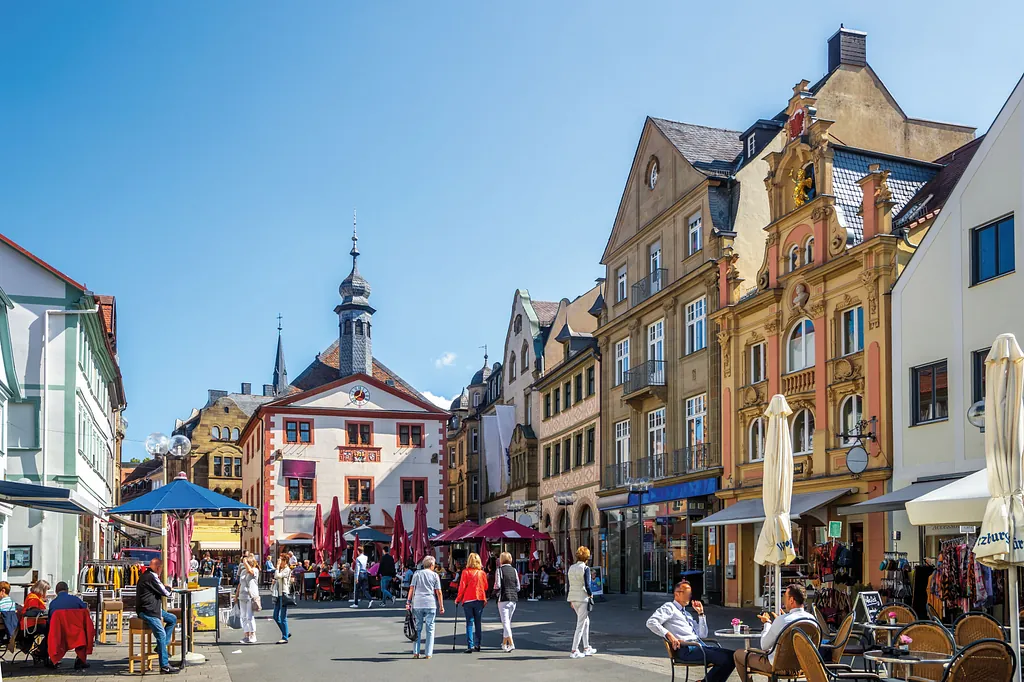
[35, 602]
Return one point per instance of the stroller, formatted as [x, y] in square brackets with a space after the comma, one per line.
[324, 588]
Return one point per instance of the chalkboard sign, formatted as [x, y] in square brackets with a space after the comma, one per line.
[869, 603]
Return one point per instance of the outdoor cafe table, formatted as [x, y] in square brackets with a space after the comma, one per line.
[729, 633]
[908, 660]
[886, 628]
[99, 603]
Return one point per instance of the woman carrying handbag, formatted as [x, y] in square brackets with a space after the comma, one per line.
[248, 595]
[280, 590]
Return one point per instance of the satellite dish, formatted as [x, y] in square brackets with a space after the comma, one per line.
[857, 460]
[527, 520]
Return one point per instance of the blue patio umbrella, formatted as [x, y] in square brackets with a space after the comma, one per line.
[366, 534]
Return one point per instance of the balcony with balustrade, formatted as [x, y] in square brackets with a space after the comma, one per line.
[645, 380]
[801, 381]
[648, 286]
[694, 459]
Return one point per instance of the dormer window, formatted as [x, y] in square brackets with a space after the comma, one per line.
[751, 147]
[793, 258]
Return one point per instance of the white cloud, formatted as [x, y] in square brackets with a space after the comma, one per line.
[439, 400]
[446, 360]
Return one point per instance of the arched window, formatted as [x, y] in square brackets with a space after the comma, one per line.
[801, 346]
[215, 433]
[524, 357]
[511, 368]
[234, 434]
[850, 415]
[793, 258]
[347, 327]
[359, 327]
[803, 433]
[755, 440]
[586, 527]
[812, 190]
[809, 251]
[518, 325]
[225, 433]
[563, 534]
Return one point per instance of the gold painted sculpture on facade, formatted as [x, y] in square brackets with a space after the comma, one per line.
[802, 185]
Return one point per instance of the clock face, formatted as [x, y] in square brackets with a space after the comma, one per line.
[359, 395]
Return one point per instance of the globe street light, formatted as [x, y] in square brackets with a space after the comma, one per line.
[976, 415]
[160, 446]
[639, 486]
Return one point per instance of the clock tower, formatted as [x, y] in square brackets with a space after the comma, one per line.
[355, 314]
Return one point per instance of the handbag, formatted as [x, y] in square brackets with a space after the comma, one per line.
[590, 604]
[287, 600]
[410, 627]
[235, 617]
[257, 605]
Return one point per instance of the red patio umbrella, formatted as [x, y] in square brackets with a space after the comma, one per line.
[504, 528]
[456, 534]
[550, 551]
[485, 554]
[355, 548]
[318, 535]
[399, 541]
[420, 543]
[534, 556]
[335, 543]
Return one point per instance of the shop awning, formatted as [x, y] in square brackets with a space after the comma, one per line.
[298, 468]
[219, 545]
[128, 523]
[47, 498]
[613, 501]
[897, 499]
[678, 491]
[752, 511]
[962, 501]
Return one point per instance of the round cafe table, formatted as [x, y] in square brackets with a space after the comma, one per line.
[729, 633]
[908, 660]
[886, 628]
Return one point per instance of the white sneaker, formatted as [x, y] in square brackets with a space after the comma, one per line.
[589, 651]
[511, 649]
[577, 654]
[353, 606]
[370, 604]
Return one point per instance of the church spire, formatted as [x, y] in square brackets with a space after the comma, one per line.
[355, 243]
[280, 371]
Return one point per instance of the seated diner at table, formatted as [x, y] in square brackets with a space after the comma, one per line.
[753, 661]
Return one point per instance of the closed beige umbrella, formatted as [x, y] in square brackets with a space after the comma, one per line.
[1001, 540]
[775, 544]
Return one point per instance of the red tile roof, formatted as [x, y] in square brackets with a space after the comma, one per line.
[546, 311]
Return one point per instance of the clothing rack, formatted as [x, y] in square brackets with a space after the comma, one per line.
[896, 584]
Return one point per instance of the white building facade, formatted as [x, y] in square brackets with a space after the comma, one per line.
[62, 421]
[959, 291]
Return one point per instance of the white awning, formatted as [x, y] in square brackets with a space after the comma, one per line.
[752, 511]
[897, 499]
[218, 544]
[962, 501]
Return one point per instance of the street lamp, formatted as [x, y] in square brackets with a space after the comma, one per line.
[639, 486]
[566, 499]
[976, 415]
[515, 506]
[160, 446]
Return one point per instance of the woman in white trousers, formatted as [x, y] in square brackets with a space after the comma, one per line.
[578, 595]
[248, 595]
[506, 585]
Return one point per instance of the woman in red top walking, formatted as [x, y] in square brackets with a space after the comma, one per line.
[473, 597]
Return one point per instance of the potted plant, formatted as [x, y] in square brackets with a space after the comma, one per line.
[737, 625]
[905, 643]
[892, 618]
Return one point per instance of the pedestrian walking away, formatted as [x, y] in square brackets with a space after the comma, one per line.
[506, 587]
[248, 595]
[280, 590]
[581, 600]
[150, 594]
[387, 574]
[676, 626]
[473, 597]
[425, 601]
[361, 578]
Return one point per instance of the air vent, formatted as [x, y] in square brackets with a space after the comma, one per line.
[389, 382]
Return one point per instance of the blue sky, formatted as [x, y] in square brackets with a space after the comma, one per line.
[200, 161]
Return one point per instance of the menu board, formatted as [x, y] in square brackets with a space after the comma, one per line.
[869, 604]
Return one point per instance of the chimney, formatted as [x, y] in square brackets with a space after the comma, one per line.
[246, 388]
[847, 46]
[213, 395]
[268, 390]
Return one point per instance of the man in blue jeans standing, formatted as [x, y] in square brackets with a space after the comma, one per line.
[387, 574]
[150, 593]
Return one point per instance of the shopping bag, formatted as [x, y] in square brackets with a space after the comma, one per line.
[410, 627]
[235, 617]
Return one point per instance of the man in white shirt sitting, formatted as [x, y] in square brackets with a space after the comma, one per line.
[683, 633]
[755, 661]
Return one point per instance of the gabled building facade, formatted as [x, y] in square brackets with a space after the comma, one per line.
[347, 427]
[815, 323]
[63, 416]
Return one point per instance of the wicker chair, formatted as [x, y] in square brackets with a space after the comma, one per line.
[972, 626]
[933, 614]
[842, 639]
[786, 666]
[826, 630]
[986, 659]
[675, 662]
[904, 616]
[927, 636]
[815, 670]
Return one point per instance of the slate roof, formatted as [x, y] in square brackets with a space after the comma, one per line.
[906, 177]
[598, 306]
[248, 403]
[324, 370]
[142, 469]
[933, 195]
[722, 201]
[546, 311]
[712, 151]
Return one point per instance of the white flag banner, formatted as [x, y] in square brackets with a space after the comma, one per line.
[494, 454]
[506, 415]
